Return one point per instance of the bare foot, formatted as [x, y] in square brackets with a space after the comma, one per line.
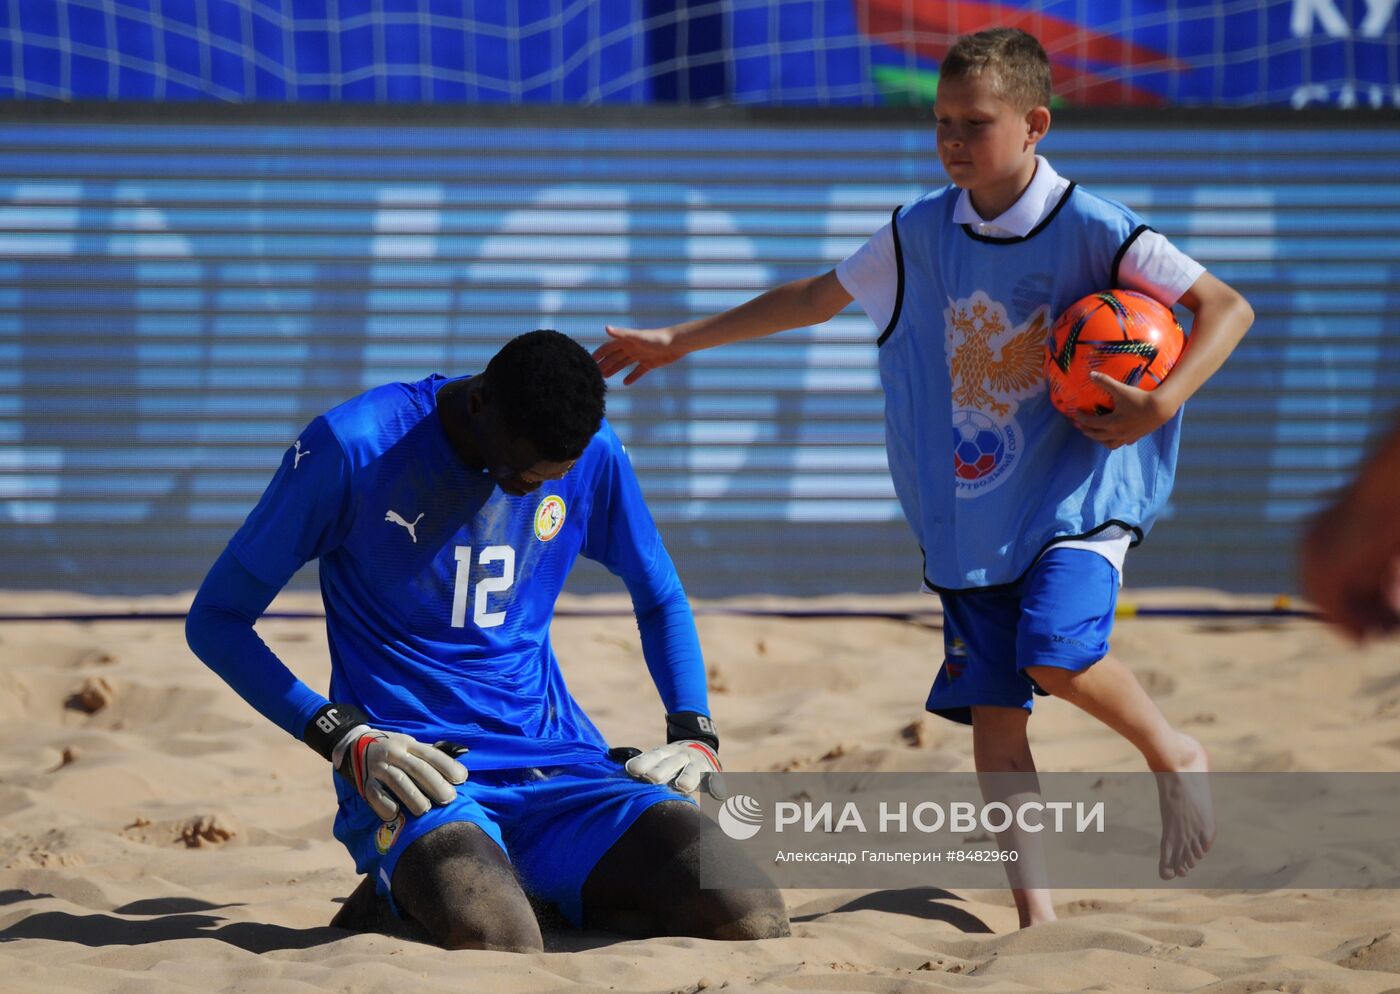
[1033, 906]
[1188, 816]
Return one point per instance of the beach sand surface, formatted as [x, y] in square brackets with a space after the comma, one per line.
[157, 835]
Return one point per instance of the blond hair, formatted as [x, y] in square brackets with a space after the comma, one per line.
[1013, 60]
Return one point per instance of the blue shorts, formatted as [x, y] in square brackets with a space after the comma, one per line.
[553, 825]
[1059, 614]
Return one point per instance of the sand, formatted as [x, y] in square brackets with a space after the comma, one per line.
[158, 835]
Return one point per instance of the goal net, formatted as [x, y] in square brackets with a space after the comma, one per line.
[749, 52]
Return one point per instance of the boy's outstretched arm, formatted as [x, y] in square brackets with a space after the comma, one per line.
[797, 304]
[1222, 318]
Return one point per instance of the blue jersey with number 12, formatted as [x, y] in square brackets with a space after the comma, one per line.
[439, 587]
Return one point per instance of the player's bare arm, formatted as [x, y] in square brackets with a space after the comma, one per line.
[1222, 316]
[798, 304]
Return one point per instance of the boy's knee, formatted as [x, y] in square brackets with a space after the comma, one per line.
[1053, 680]
[999, 741]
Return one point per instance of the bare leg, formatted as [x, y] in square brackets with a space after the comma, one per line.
[457, 890]
[648, 883]
[365, 911]
[1109, 692]
[1001, 748]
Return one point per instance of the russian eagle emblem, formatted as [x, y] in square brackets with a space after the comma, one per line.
[992, 366]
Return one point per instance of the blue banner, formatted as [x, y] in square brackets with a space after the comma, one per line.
[775, 52]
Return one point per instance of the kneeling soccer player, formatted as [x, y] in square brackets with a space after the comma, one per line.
[446, 515]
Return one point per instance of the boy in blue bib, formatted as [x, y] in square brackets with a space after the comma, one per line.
[1026, 553]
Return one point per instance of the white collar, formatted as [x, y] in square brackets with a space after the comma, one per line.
[1029, 209]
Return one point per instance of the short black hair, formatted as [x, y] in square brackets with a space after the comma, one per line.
[1014, 61]
[547, 390]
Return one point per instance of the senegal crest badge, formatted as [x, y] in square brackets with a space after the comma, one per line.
[386, 833]
[549, 517]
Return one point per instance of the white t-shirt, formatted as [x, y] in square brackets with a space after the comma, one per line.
[1152, 266]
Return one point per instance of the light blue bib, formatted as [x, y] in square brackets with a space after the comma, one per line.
[987, 471]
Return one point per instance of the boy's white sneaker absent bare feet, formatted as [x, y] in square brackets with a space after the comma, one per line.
[1188, 816]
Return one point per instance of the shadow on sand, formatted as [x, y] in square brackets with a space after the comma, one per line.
[930, 903]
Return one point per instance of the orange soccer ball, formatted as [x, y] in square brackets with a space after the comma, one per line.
[1119, 333]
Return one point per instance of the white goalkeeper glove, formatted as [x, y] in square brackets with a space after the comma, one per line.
[388, 769]
[690, 759]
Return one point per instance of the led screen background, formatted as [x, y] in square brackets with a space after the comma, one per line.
[177, 300]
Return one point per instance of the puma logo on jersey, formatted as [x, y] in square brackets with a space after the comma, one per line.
[397, 519]
[296, 456]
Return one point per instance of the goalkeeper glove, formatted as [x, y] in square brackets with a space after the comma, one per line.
[690, 759]
[388, 769]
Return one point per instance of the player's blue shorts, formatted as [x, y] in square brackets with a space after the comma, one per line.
[553, 825]
[1060, 614]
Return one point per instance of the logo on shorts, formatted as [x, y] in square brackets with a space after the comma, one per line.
[549, 517]
[955, 653]
[385, 835]
[740, 817]
[1066, 640]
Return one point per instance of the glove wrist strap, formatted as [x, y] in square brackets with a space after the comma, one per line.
[329, 727]
[691, 725]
